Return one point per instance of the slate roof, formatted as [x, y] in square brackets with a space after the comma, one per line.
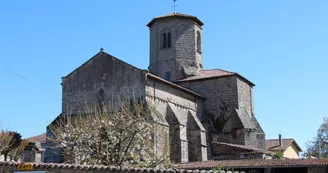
[254, 163]
[178, 15]
[175, 85]
[213, 73]
[39, 138]
[244, 147]
[273, 144]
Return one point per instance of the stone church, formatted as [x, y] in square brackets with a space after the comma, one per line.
[212, 110]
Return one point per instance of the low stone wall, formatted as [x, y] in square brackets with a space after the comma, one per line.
[10, 167]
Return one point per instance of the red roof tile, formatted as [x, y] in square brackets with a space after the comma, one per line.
[39, 138]
[253, 163]
[273, 144]
[180, 15]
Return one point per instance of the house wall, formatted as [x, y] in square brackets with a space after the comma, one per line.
[103, 76]
[178, 108]
[292, 152]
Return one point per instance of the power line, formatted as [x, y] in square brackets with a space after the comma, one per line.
[22, 77]
[27, 80]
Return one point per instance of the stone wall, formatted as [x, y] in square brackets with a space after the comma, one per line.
[182, 59]
[181, 111]
[229, 110]
[102, 78]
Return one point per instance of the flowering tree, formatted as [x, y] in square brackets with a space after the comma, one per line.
[318, 147]
[110, 135]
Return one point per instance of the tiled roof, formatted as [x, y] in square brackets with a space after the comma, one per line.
[39, 138]
[200, 23]
[114, 169]
[273, 144]
[254, 163]
[212, 73]
[182, 168]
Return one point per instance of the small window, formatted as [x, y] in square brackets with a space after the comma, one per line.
[164, 40]
[199, 42]
[167, 76]
[101, 99]
[168, 40]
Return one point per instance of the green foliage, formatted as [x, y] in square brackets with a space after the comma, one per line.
[218, 168]
[278, 155]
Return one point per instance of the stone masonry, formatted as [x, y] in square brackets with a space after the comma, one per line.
[182, 58]
[199, 108]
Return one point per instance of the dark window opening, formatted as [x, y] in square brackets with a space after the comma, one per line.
[164, 40]
[168, 40]
[167, 76]
[199, 42]
[101, 99]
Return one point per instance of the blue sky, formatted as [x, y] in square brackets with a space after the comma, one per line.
[279, 45]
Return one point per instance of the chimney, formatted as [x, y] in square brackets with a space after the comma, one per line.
[280, 140]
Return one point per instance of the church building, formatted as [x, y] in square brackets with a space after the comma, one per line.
[208, 112]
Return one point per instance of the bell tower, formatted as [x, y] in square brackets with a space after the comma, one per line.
[175, 46]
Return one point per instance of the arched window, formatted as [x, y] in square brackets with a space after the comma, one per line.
[166, 41]
[199, 42]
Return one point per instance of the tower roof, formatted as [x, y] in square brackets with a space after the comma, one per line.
[176, 15]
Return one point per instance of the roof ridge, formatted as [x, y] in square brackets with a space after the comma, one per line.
[219, 69]
[282, 139]
[36, 135]
[105, 53]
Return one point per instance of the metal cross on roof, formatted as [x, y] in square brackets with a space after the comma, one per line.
[174, 5]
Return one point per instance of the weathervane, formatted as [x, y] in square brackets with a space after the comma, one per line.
[174, 6]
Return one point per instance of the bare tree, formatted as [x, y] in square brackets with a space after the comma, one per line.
[17, 152]
[5, 140]
[14, 143]
[119, 134]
